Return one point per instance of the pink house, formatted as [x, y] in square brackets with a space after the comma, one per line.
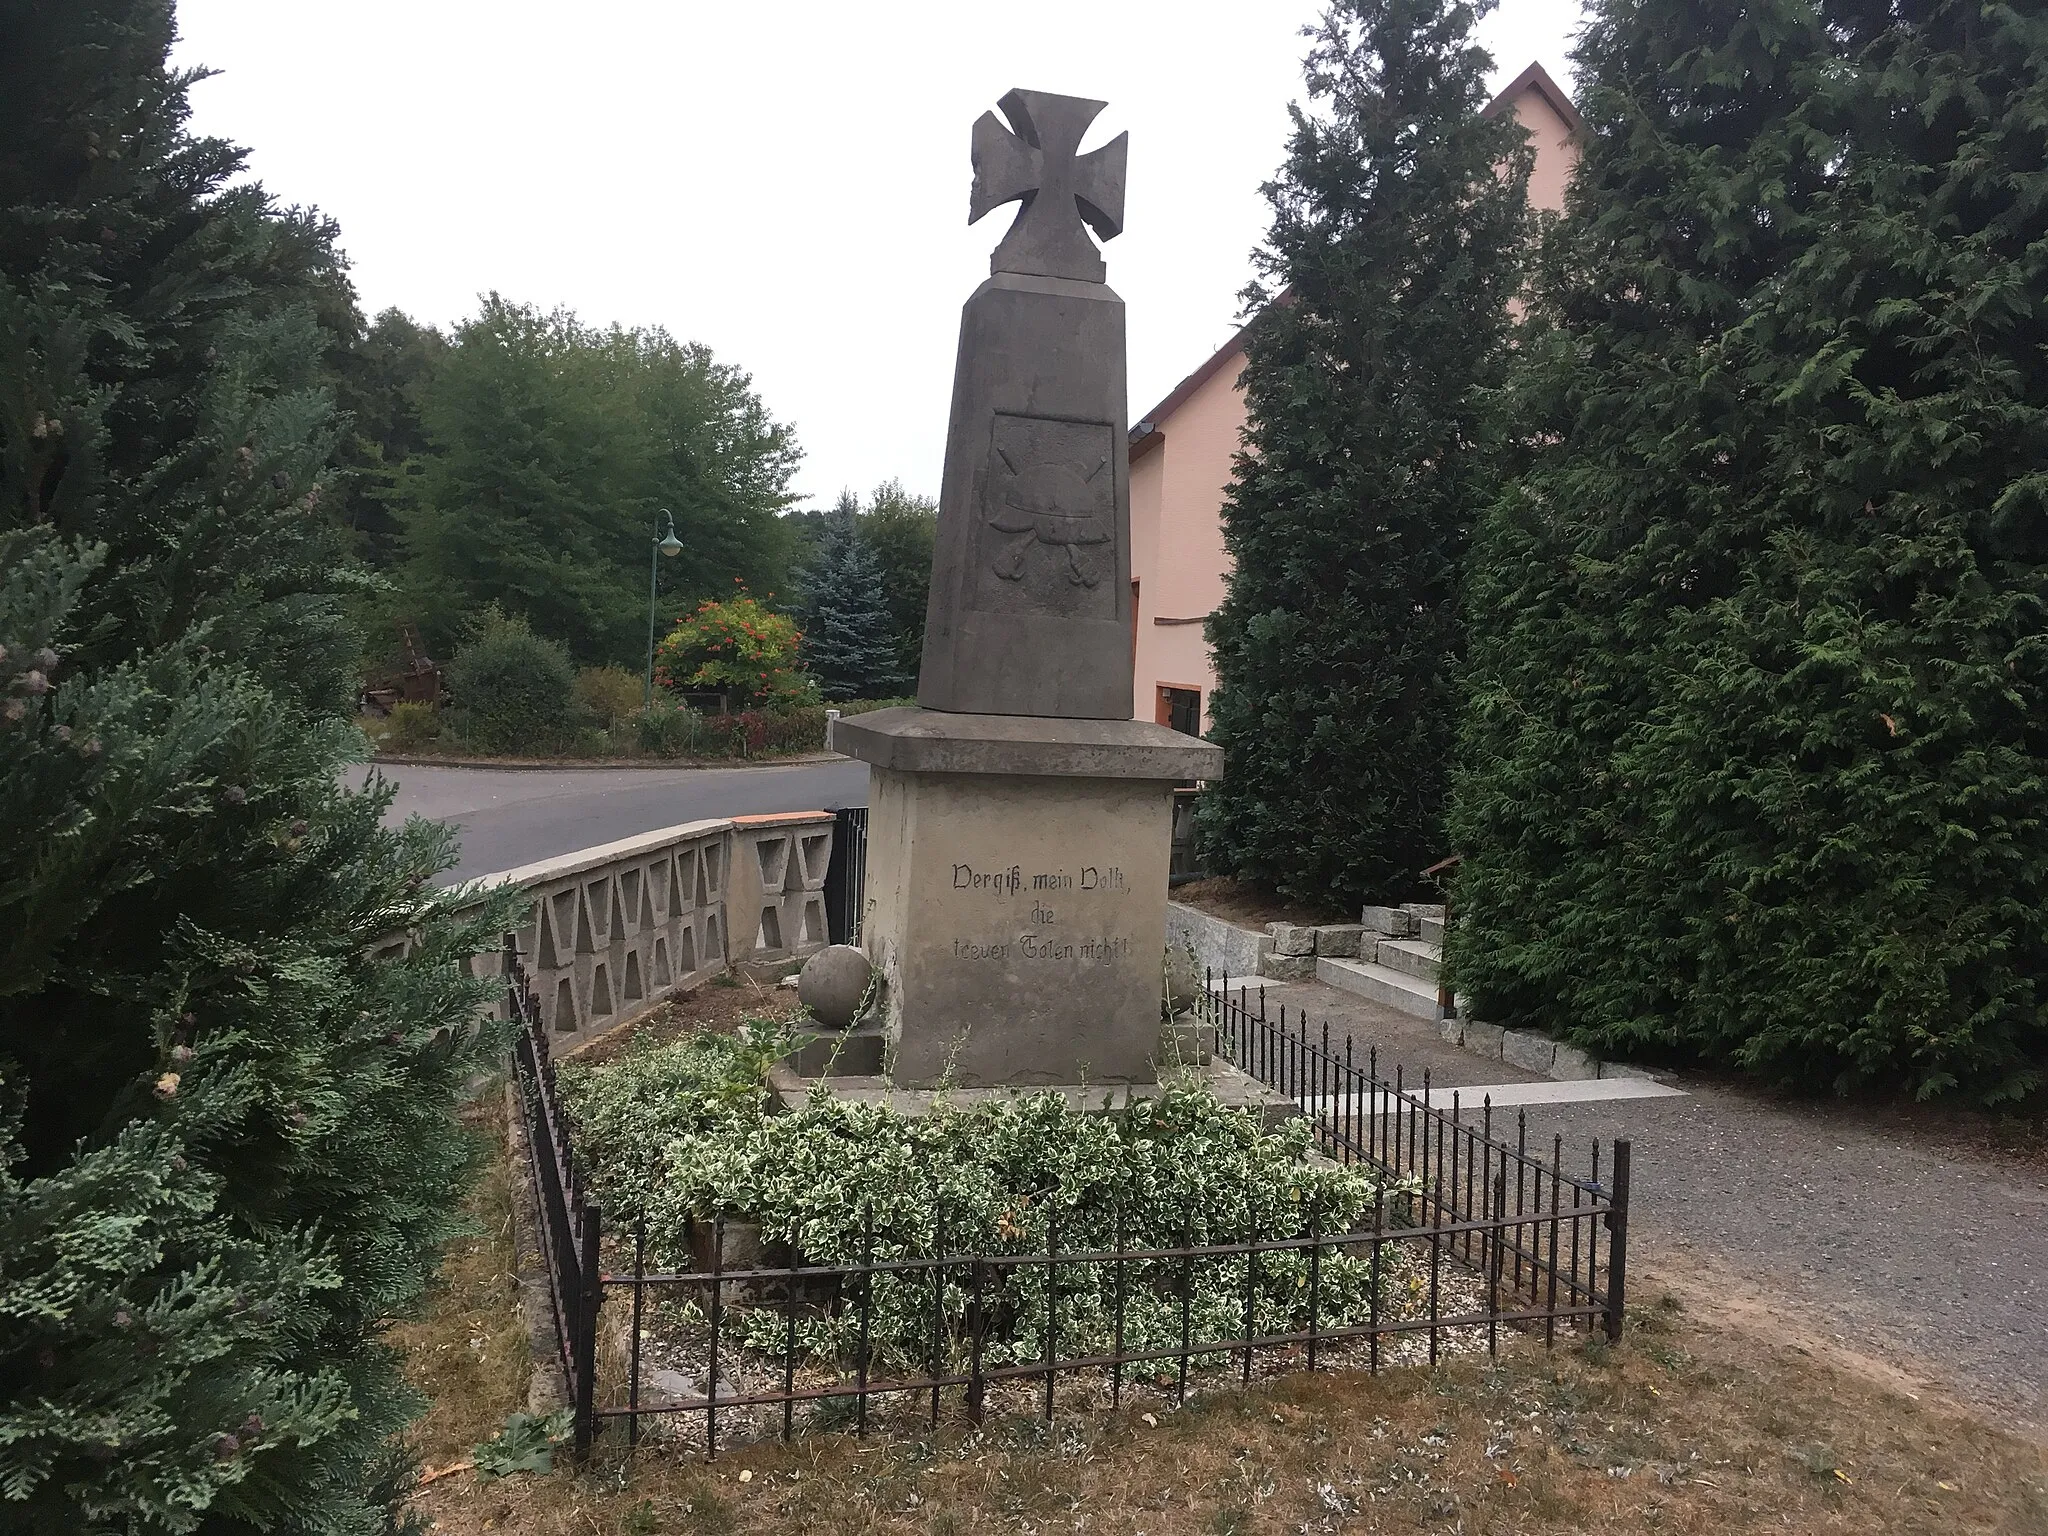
[1181, 453]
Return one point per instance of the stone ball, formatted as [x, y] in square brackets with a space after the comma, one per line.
[1183, 979]
[832, 984]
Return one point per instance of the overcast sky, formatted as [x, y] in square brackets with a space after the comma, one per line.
[786, 183]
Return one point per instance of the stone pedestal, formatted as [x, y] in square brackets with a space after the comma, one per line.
[1016, 892]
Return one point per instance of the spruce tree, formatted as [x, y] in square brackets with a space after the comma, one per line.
[900, 528]
[848, 645]
[226, 1152]
[1755, 762]
[1372, 384]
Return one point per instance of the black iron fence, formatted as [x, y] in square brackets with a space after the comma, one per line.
[846, 875]
[1469, 1233]
[1461, 1169]
[569, 1220]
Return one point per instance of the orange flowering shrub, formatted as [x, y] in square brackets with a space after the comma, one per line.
[737, 648]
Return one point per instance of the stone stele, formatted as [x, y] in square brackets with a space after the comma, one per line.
[1030, 607]
[1019, 822]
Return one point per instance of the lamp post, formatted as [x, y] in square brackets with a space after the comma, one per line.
[664, 542]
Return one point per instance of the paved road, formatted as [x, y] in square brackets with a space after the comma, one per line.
[1846, 1226]
[513, 816]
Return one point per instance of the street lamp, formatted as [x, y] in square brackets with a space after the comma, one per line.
[665, 543]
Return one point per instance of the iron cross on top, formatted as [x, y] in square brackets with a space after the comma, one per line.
[1060, 189]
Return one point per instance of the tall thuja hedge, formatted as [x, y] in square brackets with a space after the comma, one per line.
[1754, 766]
[1372, 382]
[226, 1153]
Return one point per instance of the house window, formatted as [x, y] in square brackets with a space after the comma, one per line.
[1180, 709]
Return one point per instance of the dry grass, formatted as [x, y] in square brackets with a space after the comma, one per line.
[468, 1350]
[1695, 1424]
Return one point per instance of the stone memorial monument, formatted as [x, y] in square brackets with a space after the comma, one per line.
[1019, 819]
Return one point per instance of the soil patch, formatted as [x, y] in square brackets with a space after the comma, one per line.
[715, 1007]
[467, 1351]
[1253, 906]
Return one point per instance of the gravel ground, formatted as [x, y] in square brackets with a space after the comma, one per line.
[1817, 1219]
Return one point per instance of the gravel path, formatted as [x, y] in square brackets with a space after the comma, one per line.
[1850, 1229]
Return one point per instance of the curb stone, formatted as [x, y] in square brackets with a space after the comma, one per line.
[1524, 1048]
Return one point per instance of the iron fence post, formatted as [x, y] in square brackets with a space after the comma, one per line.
[1617, 1242]
[583, 1416]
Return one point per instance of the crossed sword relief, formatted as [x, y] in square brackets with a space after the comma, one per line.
[1036, 510]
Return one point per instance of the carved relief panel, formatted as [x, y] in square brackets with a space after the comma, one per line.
[1046, 537]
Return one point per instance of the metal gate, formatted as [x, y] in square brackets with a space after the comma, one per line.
[846, 877]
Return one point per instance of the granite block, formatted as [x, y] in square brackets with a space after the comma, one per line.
[1528, 1050]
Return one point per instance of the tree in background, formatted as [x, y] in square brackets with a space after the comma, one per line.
[848, 643]
[553, 447]
[898, 528]
[226, 1153]
[382, 378]
[1372, 382]
[738, 650]
[1755, 757]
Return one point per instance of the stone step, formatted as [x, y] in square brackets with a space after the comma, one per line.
[1380, 983]
[1414, 956]
[1431, 930]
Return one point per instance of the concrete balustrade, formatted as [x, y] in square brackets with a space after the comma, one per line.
[614, 929]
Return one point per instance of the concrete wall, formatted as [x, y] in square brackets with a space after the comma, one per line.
[1218, 946]
[613, 930]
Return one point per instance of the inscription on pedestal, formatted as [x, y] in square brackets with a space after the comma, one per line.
[1044, 918]
[1019, 923]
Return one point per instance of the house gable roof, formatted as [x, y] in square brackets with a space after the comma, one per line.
[1148, 431]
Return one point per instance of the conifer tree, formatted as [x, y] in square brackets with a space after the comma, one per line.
[900, 528]
[1372, 386]
[226, 1152]
[1755, 760]
[848, 645]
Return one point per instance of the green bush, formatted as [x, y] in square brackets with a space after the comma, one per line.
[512, 690]
[1374, 424]
[775, 733]
[411, 725]
[681, 1133]
[607, 697]
[666, 728]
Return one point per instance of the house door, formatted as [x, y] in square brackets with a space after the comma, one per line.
[1180, 709]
